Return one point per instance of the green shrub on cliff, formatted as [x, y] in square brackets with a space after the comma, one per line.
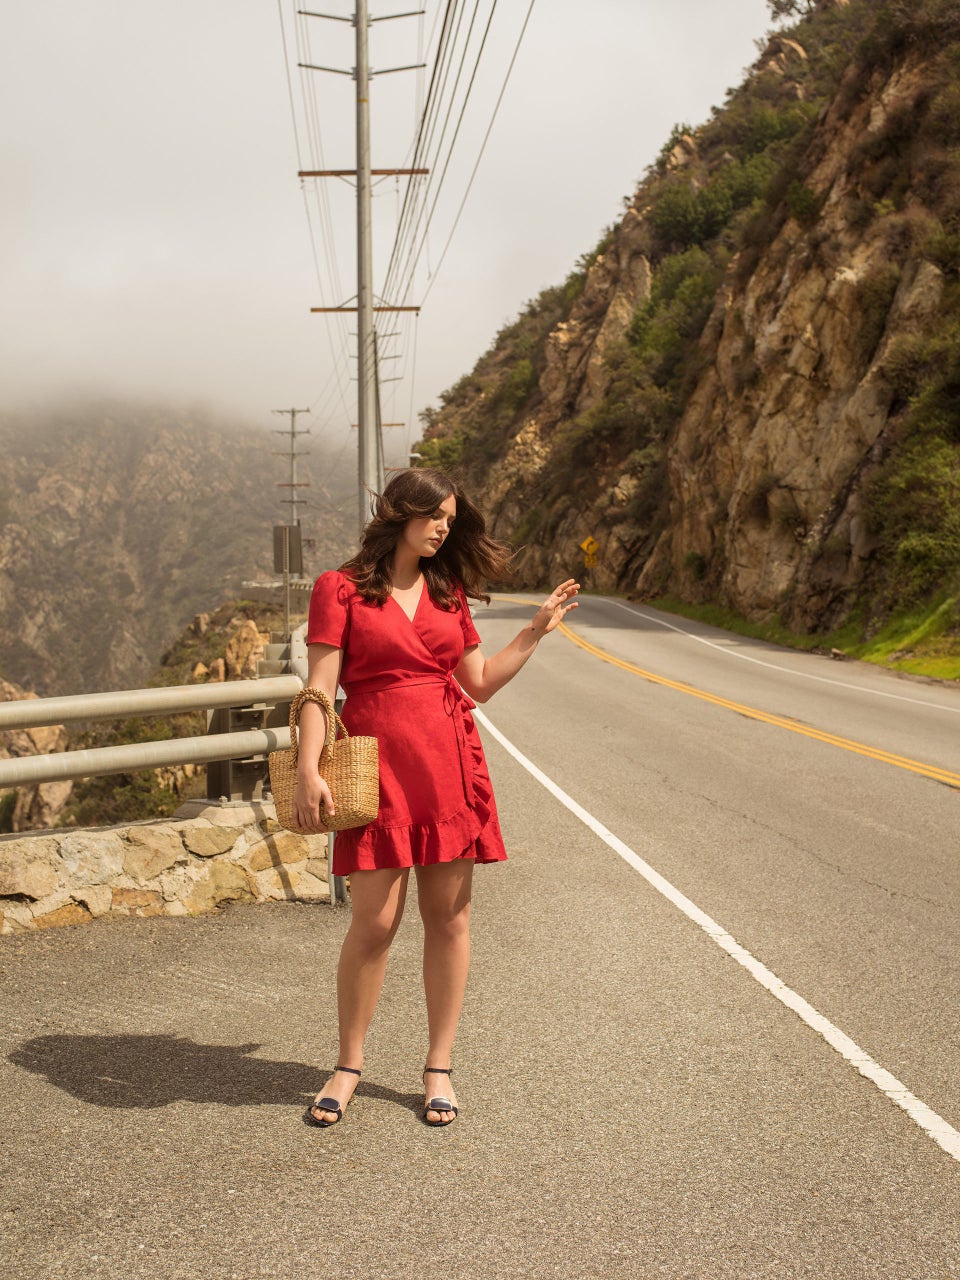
[686, 214]
[915, 509]
[903, 27]
[481, 411]
[681, 297]
[913, 503]
[442, 452]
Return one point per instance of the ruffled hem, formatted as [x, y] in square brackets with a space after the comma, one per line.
[471, 833]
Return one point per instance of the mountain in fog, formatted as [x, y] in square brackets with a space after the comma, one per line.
[118, 523]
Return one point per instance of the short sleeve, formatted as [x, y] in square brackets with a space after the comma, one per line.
[329, 620]
[470, 634]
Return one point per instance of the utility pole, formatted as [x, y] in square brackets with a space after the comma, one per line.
[370, 472]
[369, 468]
[292, 485]
[287, 540]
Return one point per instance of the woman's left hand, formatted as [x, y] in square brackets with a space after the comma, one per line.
[556, 607]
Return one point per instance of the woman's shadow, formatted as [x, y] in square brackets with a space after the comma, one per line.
[156, 1070]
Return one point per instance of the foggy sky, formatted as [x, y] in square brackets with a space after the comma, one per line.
[154, 241]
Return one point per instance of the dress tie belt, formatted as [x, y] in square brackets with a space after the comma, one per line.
[455, 703]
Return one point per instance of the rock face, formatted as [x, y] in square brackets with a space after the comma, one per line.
[244, 650]
[575, 379]
[753, 492]
[208, 856]
[35, 806]
[765, 479]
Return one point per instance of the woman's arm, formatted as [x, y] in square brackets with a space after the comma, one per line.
[481, 677]
[312, 793]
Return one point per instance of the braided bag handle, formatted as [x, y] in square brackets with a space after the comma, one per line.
[335, 727]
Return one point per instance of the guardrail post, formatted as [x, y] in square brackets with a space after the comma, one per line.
[338, 884]
[242, 779]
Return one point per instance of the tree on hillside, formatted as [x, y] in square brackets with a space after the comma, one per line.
[781, 9]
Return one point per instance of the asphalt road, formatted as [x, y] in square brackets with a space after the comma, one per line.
[633, 1102]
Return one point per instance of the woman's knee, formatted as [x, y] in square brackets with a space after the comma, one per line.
[446, 923]
[374, 933]
[378, 899]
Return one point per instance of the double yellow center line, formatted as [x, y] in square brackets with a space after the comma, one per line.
[781, 722]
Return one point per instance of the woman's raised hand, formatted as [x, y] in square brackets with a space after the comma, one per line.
[556, 607]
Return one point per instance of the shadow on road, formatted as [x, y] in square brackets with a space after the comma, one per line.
[152, 1071]
[156, 1070]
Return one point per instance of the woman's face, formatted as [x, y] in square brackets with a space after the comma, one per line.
[426, 534]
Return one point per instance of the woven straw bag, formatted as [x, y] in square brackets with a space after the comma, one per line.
[349, 765]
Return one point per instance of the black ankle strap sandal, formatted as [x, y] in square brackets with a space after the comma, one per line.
[439, 1104]
[328, 1104]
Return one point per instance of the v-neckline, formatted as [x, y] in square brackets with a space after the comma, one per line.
[411, 617]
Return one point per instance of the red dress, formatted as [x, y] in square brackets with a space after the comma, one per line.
[436, 800]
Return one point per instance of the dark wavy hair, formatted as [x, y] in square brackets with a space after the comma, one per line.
[469, 557]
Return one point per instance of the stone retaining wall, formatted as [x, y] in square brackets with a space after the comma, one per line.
[204, 855]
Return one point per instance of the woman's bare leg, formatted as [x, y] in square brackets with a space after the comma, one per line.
[377, 899]
[444, 893]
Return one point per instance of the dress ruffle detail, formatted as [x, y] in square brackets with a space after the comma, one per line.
[466, 835]
[472, 832]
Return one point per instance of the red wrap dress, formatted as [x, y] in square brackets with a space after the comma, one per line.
[436, 799]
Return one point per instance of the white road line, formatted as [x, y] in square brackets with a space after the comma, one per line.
[943, 1134]
[806, 675]
[791, 671]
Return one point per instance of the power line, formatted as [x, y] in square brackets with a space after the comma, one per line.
[438, 80]
[412, 265]
[449, 35]
[419, 238]
[408, 442]
[483, 147]
[321, 194]
[326, 223]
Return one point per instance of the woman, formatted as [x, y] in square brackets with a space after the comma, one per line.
[394, 628]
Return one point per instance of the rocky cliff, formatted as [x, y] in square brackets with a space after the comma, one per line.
[120, 523]
[29, 808]
[750, 392]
